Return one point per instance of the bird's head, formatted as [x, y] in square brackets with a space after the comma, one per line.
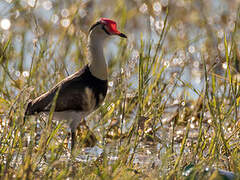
[104, 28]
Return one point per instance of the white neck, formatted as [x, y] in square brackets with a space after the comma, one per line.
[97, 63]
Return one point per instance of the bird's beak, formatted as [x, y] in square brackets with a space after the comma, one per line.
[122, 35]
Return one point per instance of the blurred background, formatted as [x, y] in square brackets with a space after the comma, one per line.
[196, 30]
[173, 84]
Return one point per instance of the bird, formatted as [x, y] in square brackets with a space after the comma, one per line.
[83, 92]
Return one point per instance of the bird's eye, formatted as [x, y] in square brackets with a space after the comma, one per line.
[105, 29]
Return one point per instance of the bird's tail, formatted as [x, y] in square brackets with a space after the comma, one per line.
[24, 120]
[27, 112]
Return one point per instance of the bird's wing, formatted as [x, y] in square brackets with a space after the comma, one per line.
[73, 91]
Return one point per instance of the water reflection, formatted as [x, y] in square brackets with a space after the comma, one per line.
[186, 45]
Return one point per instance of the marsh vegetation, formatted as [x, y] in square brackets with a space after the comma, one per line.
[172, 108]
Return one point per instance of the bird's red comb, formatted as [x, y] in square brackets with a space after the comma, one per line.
[112, 25]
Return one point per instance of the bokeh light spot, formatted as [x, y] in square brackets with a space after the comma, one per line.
[82, 13]
[31, 3]
[65, 22]
[8, 1]
[5, 24]
[65, 13]
[54, 18]
[224, 65]
[143, 8]
[191, 49]
[47, 5]
[25, 73]
[157, 7]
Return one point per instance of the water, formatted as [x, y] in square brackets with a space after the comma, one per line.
[185, 46]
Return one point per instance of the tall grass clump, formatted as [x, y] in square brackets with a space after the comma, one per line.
[172, 108]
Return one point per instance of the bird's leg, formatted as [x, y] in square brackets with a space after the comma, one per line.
[73, 137]
[88, 138]
[75, 125]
